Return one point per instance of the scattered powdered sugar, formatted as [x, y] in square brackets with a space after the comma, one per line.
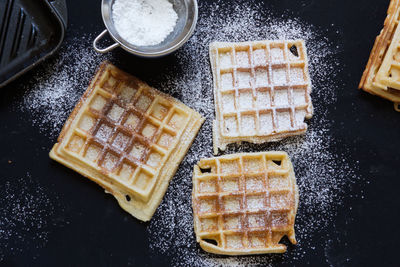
[26, 216]
[144, 22]
[323, 173]
[56, 86]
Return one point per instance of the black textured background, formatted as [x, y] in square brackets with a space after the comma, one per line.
[99, 233]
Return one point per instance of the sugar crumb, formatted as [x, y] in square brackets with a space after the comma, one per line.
[322, 173]
[26, 216]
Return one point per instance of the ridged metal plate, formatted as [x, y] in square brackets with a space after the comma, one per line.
[29, 32]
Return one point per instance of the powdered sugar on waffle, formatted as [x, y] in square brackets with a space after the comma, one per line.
[322, 174]
[56, 86]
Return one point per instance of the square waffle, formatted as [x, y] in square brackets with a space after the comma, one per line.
[244, 203]
[382, 74]
[261, 91]
[127, 137]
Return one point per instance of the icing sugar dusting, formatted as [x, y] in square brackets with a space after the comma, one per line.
[56, 86]
[27, 214]
[322, 174]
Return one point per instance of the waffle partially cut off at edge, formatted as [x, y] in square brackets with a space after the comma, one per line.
[244, 203]
[261, 91]
[381, 76]
[127, 137]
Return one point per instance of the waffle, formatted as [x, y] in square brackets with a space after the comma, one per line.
[127, 137]
[261, 91]
[244, 203]
[382, 74]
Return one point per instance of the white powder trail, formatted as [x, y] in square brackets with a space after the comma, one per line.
[322, 173]
[28, 213]
[57, 85]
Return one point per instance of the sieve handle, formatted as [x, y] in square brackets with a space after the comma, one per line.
[103, 50]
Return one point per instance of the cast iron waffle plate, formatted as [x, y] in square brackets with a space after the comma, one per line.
[30, 31]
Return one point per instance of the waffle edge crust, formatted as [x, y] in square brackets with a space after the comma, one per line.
[378, 75]
[127, 137]
[261, 91]
[244, 203]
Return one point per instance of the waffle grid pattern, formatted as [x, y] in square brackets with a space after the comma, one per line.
[127, 132]
[245, 202]
[381, 75]
[262, 90]
[388, 75]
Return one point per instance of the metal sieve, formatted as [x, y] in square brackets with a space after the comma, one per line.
[187, 18]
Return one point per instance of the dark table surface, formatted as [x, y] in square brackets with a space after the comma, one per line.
[75, 223]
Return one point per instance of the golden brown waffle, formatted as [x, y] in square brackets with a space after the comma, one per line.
[381, 75]
[388, 75]
[261, 91]
[127, 137]
[244, 203]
